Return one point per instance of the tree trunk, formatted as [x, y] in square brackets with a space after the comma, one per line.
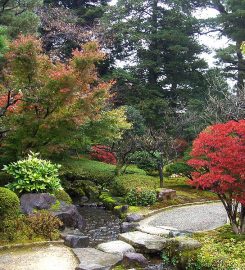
[160, 168]
[241, 68]
[242, 218]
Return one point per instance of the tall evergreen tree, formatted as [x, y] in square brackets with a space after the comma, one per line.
[158, 42]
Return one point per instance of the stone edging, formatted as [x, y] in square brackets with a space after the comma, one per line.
[34, 244]
[153, 212]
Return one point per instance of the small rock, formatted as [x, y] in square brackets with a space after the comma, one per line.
[116, 247]
[134, 217]
[129, 227]
[84, 199]
[77, 241]
[134, 259]
[166, 194]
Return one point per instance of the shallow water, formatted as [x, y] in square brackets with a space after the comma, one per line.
[100, 225]
[48, 257]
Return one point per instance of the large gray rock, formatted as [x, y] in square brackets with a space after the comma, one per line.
[153, 230]
[134, 260]
[184, 243]
[76, 241]
[69, 215]
[129, 226]
[134, 217]
[36, 201]
[93, 259]
[116, 247]
[144, 242]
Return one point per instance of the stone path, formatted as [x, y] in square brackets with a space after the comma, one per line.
[38, 258]
[187, 218]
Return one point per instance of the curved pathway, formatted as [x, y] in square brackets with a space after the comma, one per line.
[189, 218]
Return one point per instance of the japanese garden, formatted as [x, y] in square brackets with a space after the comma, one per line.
[122, 135]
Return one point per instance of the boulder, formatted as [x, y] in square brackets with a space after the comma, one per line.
[134, 260]
[76, 241]
[36, 201]
[128, 226]
[93, 259]
[144, 242]
[134, 217]
[69, 215]
[166, 194]
[184, 244]
[116, 247]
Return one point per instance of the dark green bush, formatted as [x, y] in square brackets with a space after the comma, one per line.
[123, 183]
[83, 169]
[141, 197]
[179, 168]
[61, 195]
[9, 203]
[5, 179]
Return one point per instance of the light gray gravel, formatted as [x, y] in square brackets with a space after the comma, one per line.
[190, 218]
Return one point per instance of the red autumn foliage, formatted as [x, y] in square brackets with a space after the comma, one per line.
[103, 153]
[218, 156]
[180, 145]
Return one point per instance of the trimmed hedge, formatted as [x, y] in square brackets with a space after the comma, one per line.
[9, 203]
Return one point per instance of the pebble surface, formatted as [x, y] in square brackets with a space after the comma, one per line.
[190, 218]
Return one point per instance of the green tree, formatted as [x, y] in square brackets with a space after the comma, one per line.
[19, 16]
[157, 43]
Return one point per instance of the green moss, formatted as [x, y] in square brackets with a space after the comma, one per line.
[108, 201]
[85, 187]
[55, 206]
[61, 195]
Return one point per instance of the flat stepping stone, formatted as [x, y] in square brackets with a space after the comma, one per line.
[94, 259]
[116, 247]
[153, 230]
[144, 242]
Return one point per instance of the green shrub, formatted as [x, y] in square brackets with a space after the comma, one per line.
[44, 224]
[5, 179]
[9, 203]
[33, 175]
[83, 169]
[123, 183]
[108, 201]
[15, 229]
[141, 197]
[61, 195]
[179, 168]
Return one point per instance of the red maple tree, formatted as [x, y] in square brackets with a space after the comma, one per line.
[218, 156]
[103, 153]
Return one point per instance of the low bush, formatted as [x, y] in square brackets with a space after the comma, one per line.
[61, 195]
[44, 224]
[84, 169]
[9, 203]
[33, 175]
[221, 250]
[179, 168]
[137, 197]
[124, 183]
[108, 201]
[103, 153]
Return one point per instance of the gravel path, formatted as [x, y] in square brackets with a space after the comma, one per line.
[190, 218]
